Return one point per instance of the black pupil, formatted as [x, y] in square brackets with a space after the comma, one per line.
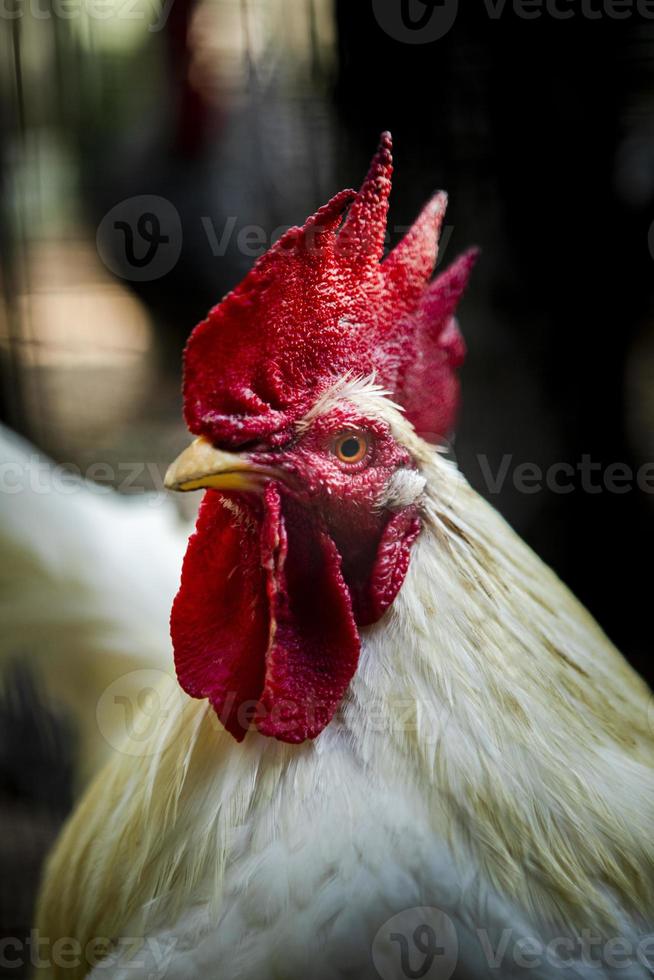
[350, 447]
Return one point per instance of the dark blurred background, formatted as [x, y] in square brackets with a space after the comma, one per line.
[224, 120]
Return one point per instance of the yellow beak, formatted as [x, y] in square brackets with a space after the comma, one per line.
[202, 465]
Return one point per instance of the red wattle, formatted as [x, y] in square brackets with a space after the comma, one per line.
[314, 648]
[219, 620]
[391, 564]
[263, 624]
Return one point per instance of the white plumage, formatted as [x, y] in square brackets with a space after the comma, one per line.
[86, 583]
[493, 759]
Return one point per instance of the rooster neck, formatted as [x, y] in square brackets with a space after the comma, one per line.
[505, 702]
[492, 757]
[490, 719]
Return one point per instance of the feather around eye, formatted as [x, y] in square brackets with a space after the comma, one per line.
[351, 447]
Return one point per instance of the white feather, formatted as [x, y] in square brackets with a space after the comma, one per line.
[86, 583]
[492, 759]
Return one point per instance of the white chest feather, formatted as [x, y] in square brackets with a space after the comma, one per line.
[333, 878]
[492, 761]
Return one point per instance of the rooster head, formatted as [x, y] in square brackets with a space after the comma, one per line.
[303, 537]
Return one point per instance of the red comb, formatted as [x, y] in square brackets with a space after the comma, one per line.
[321, 302]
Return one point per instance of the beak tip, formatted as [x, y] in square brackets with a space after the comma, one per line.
[202, 466]
[170, 483]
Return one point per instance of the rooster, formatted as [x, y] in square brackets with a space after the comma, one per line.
[392, 709]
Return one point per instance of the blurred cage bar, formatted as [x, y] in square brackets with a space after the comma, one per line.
[208, 104]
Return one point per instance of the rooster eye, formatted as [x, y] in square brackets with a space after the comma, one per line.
[351, 447]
